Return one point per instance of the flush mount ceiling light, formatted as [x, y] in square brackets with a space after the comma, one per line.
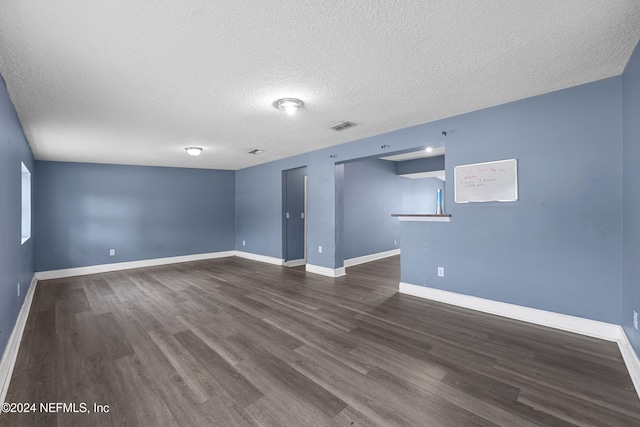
[194, 151]
[290, 105]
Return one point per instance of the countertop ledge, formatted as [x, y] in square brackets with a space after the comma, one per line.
[423, 217]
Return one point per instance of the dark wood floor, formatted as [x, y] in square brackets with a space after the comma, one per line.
[235, 342]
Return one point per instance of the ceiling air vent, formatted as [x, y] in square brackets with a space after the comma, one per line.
[256, 151]
[342, 126]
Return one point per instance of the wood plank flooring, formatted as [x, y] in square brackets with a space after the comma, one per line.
[233, 342]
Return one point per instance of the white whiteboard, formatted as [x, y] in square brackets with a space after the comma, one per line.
[486, 182]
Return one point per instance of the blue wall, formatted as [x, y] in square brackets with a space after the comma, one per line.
[372, 192]
[559, 247]
[631, 197]
[16, 259]
[259, 193]
[419, 195]
[83, 210]
[427, 164]
[258, 203]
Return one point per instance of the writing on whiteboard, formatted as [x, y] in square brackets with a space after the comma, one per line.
[480, 181]
[486, 182]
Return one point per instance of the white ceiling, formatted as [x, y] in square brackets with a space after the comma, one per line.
[134, 82]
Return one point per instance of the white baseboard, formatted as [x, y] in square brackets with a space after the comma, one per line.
[261, 258]
[368, 258]
[578, 325]
[10, 354]
[295, 263]
[116, 266]
[103, 268]
[326, 271]
[630, 359]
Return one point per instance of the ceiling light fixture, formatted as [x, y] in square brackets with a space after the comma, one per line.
[194, 151]
[428, 149]
[290, 105]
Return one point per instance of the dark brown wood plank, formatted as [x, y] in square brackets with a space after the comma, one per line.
[241, 390]
[116, 342]
[282, 373]
[235, 342]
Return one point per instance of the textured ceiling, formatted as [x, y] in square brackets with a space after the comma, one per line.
[134, 82]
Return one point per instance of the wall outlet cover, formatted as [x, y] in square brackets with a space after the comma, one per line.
[440, 271]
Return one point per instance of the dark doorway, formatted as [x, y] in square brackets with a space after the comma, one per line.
[294, 216]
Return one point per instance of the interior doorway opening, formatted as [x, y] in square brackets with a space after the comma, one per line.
[294, 216]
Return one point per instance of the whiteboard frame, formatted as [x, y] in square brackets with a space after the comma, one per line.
[455, 181]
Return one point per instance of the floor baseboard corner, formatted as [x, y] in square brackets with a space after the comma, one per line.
[326, 271]
[565, 322]
[369, 258]
[578, 325]
[631, 359]
[295, 262]
[259, 258]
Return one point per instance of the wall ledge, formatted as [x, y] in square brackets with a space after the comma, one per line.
[565, 322]
[10, 354]
[423, 217]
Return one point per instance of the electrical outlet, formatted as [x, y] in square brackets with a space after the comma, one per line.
[395, 243]
[635, 319]
[19, 290]
[319, 249]
[244, 243]
[440, 271]
[112, 252]
[287, 215]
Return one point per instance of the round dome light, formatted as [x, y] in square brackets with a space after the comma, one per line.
[290, 105]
